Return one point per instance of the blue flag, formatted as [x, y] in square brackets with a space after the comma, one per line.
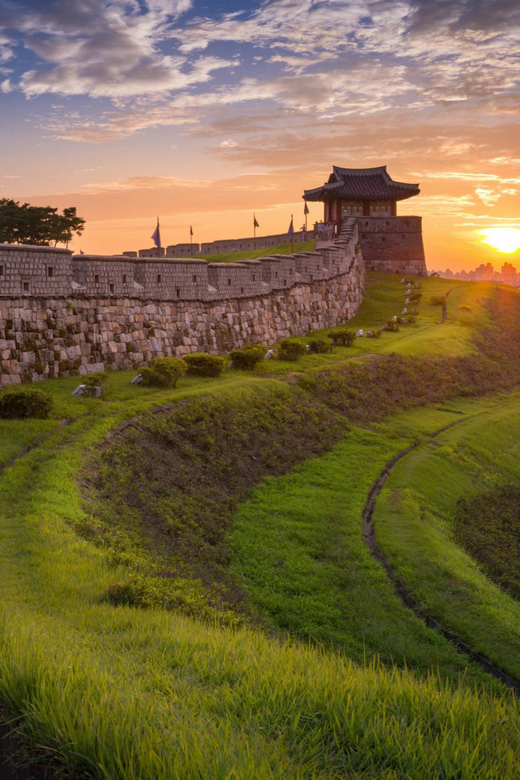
[255, 222]
[306, 209]
[290, 232]
[156, 238]
[81, 252]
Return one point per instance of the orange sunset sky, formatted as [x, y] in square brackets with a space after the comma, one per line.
[205, 113]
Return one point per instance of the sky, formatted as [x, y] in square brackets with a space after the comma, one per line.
[205, 113]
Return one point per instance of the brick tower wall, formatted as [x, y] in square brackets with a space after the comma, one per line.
[392, 244]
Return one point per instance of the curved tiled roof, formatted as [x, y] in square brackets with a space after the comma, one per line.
[361, 184]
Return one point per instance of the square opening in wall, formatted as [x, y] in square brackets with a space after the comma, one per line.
[96, 279]
[50, 272]
[1, 270]
[26, 286]
[111, 289]
[124, 278]
[159, 279]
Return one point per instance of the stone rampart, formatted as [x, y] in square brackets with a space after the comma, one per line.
[121, 312]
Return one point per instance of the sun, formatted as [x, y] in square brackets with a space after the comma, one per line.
[505, 240]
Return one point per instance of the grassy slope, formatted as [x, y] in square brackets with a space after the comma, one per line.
[282, 249]
[414, 527]
[154, 695]
[384, 299]
[133, 694]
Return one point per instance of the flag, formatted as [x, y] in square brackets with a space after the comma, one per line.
[156, 237]
[306, 209]
[81, 252]
[191, 230]
[255, 223]
[290, 232]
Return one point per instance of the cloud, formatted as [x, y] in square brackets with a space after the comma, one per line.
[104, 49]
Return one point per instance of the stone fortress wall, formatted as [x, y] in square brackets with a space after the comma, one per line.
[62, 313]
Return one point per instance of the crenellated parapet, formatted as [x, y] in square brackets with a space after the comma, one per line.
[29, 271]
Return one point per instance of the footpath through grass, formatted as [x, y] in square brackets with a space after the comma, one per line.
[415, 528]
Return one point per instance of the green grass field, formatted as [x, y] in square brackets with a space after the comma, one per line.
[342, 681]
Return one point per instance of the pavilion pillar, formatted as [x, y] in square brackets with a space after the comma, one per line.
[366, 208]
[394, 208]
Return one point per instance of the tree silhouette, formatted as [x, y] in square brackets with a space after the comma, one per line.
[37, 225]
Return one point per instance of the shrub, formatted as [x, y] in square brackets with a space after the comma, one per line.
[319, 346]
[438, 300]
[93, 381]
[247, 357]
[23, 402]
[344, 337]
[291, 349]
[164, 372]
[202, 364]
[392, 326]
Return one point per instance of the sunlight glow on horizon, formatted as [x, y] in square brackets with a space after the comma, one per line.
[504, 239]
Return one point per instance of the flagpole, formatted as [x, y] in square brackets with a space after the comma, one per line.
[292, 234]
[191, 240]
[254, 231]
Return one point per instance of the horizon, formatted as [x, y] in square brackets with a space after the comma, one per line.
[204, 116]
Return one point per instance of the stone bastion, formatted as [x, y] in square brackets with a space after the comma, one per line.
[63, 314]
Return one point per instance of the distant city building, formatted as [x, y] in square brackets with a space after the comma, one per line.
[485, 273]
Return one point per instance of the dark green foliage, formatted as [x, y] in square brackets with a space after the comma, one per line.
[247, 357]
[488, 526]
[344, 338]
[21, 403]
[291, 349]
[319, 346]
[438, 300]
[203, 364]
[164, 372]
[38, 225]
[93, 381]
[392, 326]
[166, 493]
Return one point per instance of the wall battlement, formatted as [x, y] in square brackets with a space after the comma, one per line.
[64, 314]
[40, 271]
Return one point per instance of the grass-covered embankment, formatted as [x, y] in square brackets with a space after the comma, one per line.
[488, 526]
[415, 527]
[161, 497]
[130, 693]
[134, 693]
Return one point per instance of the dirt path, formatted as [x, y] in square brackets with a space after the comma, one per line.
[369, 537]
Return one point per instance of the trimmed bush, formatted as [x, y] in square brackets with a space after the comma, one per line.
[164, 372]
[345, 338]
[202, 364]
[247, 357]
[21, 403]
[291, 349]
[319, 346]
[93, 381]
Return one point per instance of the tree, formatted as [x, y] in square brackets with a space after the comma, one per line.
[38, 225]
